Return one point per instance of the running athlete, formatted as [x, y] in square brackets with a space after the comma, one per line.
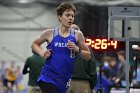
[62, 42]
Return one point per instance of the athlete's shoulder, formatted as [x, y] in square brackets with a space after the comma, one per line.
[78, 32]
[48, 30]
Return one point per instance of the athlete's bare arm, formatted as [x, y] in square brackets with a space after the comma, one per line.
[85, 52]
[46, 36]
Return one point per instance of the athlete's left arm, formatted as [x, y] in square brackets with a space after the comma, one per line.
[83, 48]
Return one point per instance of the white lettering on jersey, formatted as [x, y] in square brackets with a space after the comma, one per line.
[58, 44]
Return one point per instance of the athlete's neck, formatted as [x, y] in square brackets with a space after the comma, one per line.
[64, 31]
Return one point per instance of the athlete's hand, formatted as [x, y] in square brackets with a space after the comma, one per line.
[72, 46]
[46, 54]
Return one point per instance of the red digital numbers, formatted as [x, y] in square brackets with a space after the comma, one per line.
[104, 44]
[114, 43]
[97, 44]
[101, 43]
[88, 42]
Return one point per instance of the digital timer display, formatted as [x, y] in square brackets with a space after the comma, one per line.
[101, 43]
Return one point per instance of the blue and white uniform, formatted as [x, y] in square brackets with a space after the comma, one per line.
[58, 67]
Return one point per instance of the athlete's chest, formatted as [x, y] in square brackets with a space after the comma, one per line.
[61, 41]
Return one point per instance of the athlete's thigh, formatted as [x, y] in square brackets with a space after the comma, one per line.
[47, 87]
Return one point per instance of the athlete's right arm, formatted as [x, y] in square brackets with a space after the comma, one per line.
[44, 37]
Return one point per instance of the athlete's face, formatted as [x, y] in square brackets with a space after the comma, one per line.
[67, 18]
